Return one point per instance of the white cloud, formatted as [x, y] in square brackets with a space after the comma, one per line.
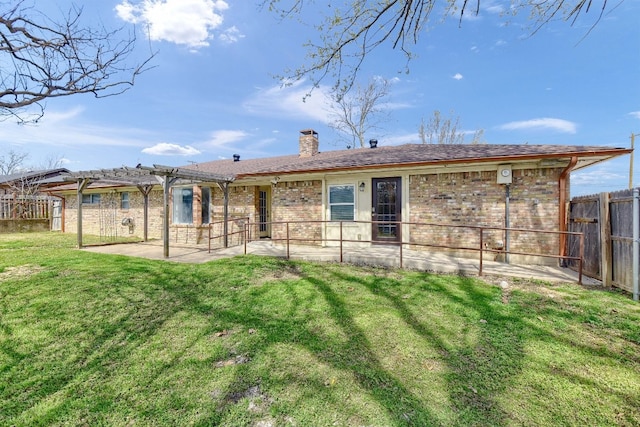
[64, 129]
[220, 138]
[231, 35]
[559, 125]
[635, 114]
[166, 149]
[184, 22]
[457, 76]
[289, 102]
[597, 176]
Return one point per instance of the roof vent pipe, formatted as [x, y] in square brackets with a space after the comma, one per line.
[373, 143]
[236, 157]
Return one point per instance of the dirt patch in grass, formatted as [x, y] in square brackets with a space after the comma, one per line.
[291, 272]
[508, 284]
[20, 271]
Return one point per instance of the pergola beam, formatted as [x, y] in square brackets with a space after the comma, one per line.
[144, 178]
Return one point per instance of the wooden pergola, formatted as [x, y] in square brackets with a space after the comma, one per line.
[145, 178]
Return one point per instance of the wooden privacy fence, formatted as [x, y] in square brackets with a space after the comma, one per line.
[25, 207]
[606, 219]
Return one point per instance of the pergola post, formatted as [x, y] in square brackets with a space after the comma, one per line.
[224, 186]
[145, 190]
[166, 186]
[82, 184]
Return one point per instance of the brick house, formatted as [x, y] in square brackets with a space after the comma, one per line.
[522, 186]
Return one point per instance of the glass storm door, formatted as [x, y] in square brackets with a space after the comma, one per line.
[264, 214]
[386, 210]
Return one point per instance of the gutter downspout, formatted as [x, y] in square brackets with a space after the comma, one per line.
[562, 201]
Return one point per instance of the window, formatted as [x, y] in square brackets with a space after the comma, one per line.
[206, 202]
[183, 205]
[91, 199]
[124, 200]
[342, 202]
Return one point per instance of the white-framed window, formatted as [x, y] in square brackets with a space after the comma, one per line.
[342, 202]
[182, 205]
[124, 200]
[206, 204]
[91, 199]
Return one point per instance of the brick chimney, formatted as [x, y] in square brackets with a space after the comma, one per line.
[308, 143]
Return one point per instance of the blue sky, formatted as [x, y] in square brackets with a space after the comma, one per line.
[212, 91]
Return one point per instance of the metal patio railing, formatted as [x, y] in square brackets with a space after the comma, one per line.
[244, 229]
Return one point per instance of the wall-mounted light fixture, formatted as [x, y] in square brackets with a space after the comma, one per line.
[361, 186]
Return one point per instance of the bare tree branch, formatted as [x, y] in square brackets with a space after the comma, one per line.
[44, 59]
[351, 32]
[11, 162]
[357, 113]
[439, 130]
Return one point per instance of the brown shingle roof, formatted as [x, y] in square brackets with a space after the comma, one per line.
[402, 156]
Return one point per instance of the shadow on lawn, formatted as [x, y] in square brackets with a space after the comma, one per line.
[57, 374]
[476, 372]
[479, 371]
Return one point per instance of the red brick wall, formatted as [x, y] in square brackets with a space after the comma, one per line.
[475, 199]
[298, 201]
[106, 218]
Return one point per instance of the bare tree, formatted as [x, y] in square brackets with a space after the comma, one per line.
[357, 113]
[353, 31]
[12, 162]
[439, 130]
[43, 59]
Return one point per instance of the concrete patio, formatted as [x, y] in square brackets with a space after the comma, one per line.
[388, 256]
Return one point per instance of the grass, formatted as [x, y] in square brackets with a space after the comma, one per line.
[94, 339]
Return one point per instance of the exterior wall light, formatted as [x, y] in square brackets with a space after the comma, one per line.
[361, 186]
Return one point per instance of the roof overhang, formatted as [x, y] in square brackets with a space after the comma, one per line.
[585, 159]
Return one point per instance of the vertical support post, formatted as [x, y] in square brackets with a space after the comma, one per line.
[633, 139]
[246, 235]
[225, 213]
[287, 239]
[507, 197]
[166, 184]
[82, 184]
[145, 190]
[224, 186]
[481, 249]
[79, 219]
[604, 225]
[400, 226]
[636, 242]
[341, 241]
[581, 263]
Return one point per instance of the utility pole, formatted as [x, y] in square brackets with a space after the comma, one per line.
[633, 138]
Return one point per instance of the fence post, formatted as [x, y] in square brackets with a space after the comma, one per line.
[604, 225]
[636, 241]
[287, 239]
[581, 262]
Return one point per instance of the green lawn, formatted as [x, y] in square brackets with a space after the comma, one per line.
[93, 339]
